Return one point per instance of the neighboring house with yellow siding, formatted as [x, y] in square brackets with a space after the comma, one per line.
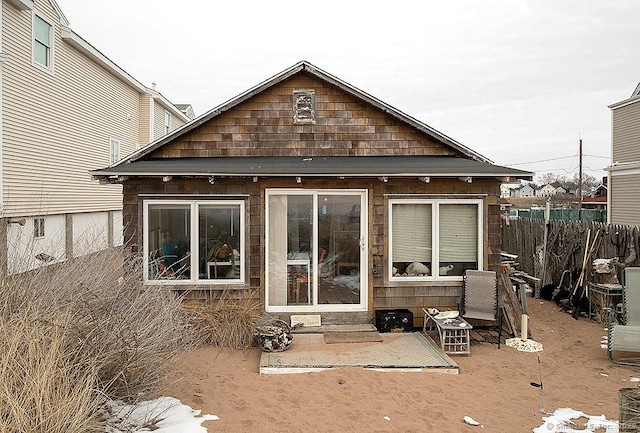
[65, 109]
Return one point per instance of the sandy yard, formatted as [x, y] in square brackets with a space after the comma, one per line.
[493, 387]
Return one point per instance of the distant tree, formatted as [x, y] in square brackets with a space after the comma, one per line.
[570, 184]
[545, 179]
[589, 183]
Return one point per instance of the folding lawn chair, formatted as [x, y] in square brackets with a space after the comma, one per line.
[625, 337]
[480, 299]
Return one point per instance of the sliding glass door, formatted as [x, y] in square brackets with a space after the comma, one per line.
[314, 250]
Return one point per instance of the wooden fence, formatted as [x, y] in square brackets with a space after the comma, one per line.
[566, 243]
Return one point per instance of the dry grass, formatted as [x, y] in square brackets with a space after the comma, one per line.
[77, 333]
[42, 387]
[227, 321]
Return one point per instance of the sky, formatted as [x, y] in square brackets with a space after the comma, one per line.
[519, 81]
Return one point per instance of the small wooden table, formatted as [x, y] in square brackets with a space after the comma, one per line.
[454, 333]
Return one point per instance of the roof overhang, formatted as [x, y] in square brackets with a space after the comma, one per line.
[22, 4]
[422, 166]
[623, 168]
[624, 103]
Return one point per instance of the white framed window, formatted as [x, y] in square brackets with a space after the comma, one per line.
[194, 241]
[42, 43]
[38, 228]
[167, 122]
[434, 239]
[114, 150]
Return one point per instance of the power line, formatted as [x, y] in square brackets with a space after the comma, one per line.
[554, 159]
[542, 160]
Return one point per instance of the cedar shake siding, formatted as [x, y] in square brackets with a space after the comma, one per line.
[262, 126]
[344, 124]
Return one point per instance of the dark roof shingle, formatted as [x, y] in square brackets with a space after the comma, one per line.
[353, 166]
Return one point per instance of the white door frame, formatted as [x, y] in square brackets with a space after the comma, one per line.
[364, 236]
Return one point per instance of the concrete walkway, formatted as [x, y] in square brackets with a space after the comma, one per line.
[397, 352]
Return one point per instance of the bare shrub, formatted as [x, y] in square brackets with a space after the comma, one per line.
[116, 337]
[227, 321]
[42, 387]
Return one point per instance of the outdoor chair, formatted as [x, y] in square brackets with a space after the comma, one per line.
[480, 299]
[625, 337]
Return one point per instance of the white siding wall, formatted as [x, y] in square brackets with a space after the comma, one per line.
[158, 120]
[90, 232]
[118, 228]
[625, 199]
[624, 187]
[626, 133]
[145, 120]
[57, 126]
[176, 122]
[24, 248]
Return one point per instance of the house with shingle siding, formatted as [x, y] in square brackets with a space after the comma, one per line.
[314, 197]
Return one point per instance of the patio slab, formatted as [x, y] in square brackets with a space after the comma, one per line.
[413, 351]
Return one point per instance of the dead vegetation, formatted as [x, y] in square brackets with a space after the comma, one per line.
[75, 334]
[227, 321]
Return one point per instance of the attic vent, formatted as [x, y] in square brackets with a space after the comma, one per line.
[304, 106]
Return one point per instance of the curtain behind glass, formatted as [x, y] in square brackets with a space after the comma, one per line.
[277, 249]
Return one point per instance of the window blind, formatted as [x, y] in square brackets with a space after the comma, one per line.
[411, 232]
[458, 233]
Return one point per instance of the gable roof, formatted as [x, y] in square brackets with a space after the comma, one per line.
[299, 67]
[635, 97]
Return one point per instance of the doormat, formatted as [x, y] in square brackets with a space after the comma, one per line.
[351, 337]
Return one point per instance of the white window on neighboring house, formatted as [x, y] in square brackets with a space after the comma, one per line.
[167, 122]
[42, 43]
[38, 228]
[114, 150]
[434, 239]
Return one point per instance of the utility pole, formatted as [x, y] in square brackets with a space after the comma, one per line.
[580, 183]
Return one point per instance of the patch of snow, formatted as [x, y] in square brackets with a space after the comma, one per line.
[560, 421]
[162, 415]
